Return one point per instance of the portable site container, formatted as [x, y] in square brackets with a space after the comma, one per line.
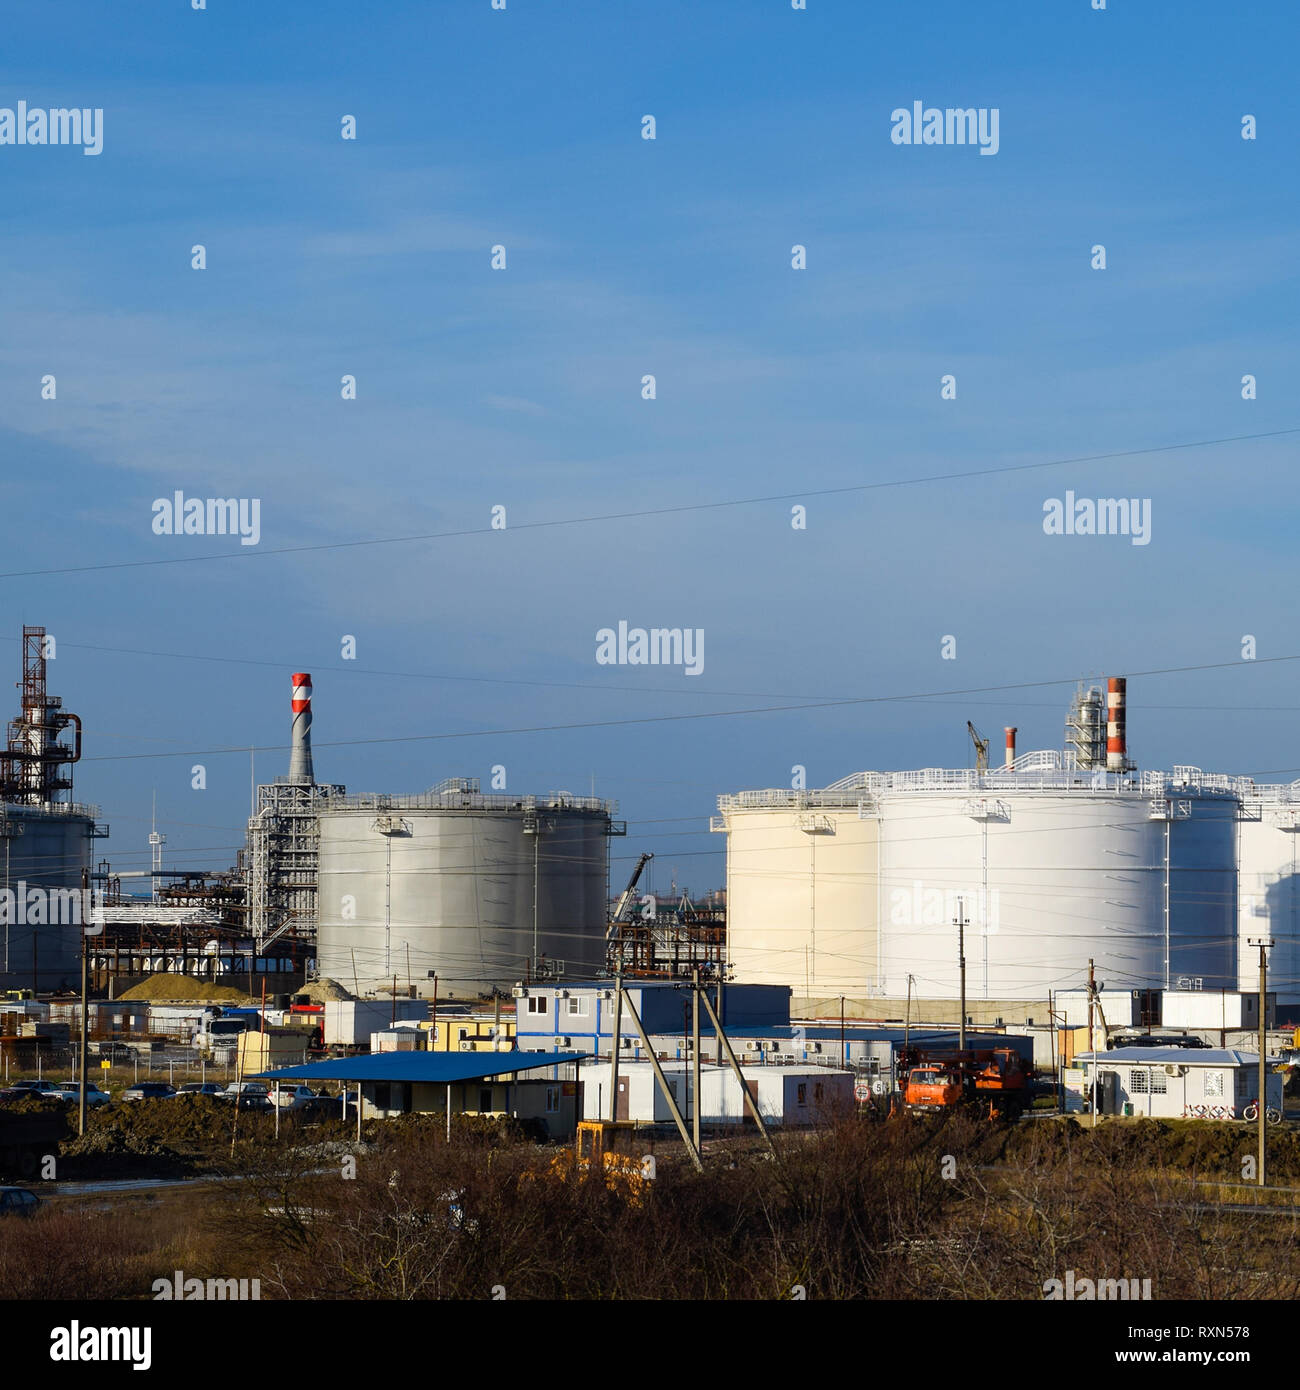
[350, 1022]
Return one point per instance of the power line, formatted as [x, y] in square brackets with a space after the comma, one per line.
[679, 718]
[256, 552]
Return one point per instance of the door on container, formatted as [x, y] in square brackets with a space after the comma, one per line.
[746, 1114]
[622, 1101]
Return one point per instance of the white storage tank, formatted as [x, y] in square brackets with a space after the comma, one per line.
[473, 887]
[1133, 874]
[1268, 897]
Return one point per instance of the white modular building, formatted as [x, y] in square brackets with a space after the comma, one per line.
[785, 1095]
[1169, 1083]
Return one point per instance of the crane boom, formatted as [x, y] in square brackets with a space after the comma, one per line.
[620, 908]
[981, 747]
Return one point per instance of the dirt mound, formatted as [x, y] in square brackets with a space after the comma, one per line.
[184, 989]
[323, 991]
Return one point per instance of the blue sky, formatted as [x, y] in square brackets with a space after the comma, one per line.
[522, 388]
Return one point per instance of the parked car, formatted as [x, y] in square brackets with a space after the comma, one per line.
[321, 1106]
[17, 1201]
[148, 1090]
[248, 1095]
[293, 1097]
[246, 1088]
[208, 1089]
[70, 1092]
[34, 1088]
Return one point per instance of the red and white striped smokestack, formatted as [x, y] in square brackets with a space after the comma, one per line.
[1010, 732]
[300, 768]
[1116, 720]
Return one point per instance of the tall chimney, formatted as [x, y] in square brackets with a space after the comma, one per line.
[300, 768]
[1116, 718]
[1011, 747]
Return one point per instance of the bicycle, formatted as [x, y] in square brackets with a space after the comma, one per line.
[1272, 1115]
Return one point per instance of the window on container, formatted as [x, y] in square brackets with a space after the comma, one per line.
[552, 1100]
[1214, 1084]
[1159, 1082]
[462, 1033]
[578, 1007]
[802, 1093]
[536, 1004]
[1137, 1082]
[817, 1090]
[485, 1098]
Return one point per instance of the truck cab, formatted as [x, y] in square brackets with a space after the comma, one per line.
[933, 1086]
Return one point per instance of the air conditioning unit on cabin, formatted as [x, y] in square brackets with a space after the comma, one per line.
[466, 1045]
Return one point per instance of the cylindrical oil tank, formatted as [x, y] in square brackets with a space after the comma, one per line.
[474, 892]
[801, 892]
[1268, 895]
[42, 854]
[1045, 880]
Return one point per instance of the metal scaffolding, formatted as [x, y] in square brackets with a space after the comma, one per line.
[283, 853]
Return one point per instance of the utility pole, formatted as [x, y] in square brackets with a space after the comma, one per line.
[85, 1032]
[745, 1095]
[666, 1090]
[907, 1019]
[1262, 1103]
[961, 966]
[695, 1054]
[1092, 1047]
[616, 1039]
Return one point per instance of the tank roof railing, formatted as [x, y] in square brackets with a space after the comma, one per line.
[1046, 771]
[55, 810]
[454, 799]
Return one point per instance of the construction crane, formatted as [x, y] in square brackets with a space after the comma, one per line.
[981, 748]
[621, 907]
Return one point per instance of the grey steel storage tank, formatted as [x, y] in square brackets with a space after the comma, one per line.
[480, 889]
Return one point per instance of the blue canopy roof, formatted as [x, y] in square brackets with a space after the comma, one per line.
[436, 1067]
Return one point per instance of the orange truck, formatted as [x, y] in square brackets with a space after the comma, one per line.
[994, 1081]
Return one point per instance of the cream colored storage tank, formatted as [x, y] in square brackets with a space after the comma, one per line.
[801, 890]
